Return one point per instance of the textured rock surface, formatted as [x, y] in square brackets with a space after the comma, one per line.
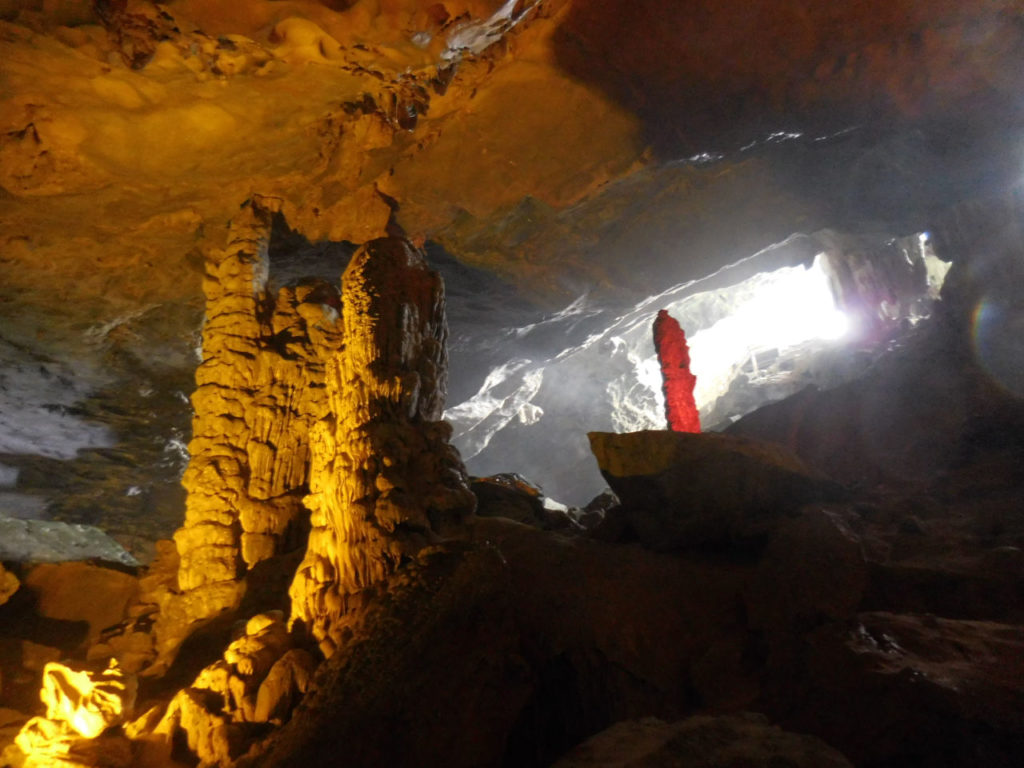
[814, 569]
[49, 541]
[258, 679]
[686, 490]
[130, 131]
[80, 706]
[514, 497]
[90, 703]
[509, 496]
[598, 146]
[259, 388]
[81, 593]
[383, 480]
[702, 742]
[677, 380]
[919, 688]
[9, 584]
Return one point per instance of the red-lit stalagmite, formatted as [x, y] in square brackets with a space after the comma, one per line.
[677, 380]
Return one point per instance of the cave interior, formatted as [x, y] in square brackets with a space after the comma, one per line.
[333, 427]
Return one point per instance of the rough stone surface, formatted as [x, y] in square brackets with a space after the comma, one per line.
[44, 743]
[689, 490]
[126, 136]
[9, 584]
[813, 570]
[510, 496]
[81, 592]
[384, 480]
[50, 541]
[259, 388]
[258, 679]
[891, 689]
[746, 740]
[463, 659]
[89, 702]
[80, 707]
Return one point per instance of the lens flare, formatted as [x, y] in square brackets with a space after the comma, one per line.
[997, 329]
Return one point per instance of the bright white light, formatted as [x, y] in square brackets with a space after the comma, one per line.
[794, 306]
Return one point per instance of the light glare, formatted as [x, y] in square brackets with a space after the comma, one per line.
[795, 307]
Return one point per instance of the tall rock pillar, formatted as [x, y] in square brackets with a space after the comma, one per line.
[259, 388]
[209, 542]
[384, 480]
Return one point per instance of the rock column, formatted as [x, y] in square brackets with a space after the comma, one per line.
[384, 480]
[209, 542]
[677, 379]
[259, 388]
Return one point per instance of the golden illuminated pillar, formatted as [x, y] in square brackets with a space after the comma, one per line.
[259, 388]
[384, 480]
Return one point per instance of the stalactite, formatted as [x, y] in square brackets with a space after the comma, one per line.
[678, 381]
[384, 480]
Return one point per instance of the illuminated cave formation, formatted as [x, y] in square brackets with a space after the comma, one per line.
[339, 571]
[678, 382]
[383, 480]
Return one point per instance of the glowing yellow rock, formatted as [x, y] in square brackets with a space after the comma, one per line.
[89, 702]
[8, 584]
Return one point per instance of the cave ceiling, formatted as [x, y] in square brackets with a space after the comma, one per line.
[562, 147]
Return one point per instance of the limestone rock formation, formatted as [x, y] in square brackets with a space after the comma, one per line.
[9, 584]
[301, 415]
[690, 490]
[44, 743]
[814, 569]
[383, 479]
[78, 593]
[259, 678]
[80, 706]
[90, 703]
[605, 147]
[677, 380]
[259, 388]
[512, 496]
[51, 541]
[745, 739]
[913, 688]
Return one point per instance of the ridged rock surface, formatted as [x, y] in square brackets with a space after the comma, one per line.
[383, 480]
[677, 379]
[258, 390]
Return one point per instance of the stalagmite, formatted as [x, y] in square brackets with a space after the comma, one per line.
[259, 677]
[304, 420]
[678, 381]
[291, 400]
[384, 480]
[259, 388]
